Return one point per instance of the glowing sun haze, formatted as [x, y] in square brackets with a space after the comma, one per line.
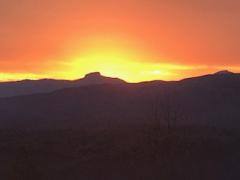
[135, 40]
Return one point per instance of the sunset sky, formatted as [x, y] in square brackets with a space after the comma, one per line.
[135, 40]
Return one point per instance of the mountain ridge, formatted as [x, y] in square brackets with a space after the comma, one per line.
[27, 87]
[207, 101]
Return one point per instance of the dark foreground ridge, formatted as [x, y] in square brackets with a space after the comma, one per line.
[130, 152]
[100, 128]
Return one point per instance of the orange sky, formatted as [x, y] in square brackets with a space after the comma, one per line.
[136, 40]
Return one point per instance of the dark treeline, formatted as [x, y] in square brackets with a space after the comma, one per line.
[133, 152]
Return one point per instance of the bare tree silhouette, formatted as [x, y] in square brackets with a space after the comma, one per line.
[166, 110]
[167, 115]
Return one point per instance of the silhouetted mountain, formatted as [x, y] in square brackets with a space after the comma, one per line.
[220, 79]
[25, 87]
[224, 72]
[211, 100]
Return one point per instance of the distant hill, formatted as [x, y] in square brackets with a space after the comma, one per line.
[211, 100]
[26, 87]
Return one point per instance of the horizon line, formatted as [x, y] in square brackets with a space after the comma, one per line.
[100, 74]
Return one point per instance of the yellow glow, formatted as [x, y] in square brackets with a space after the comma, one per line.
[115, 58]
[18, 76]
[128, 70]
